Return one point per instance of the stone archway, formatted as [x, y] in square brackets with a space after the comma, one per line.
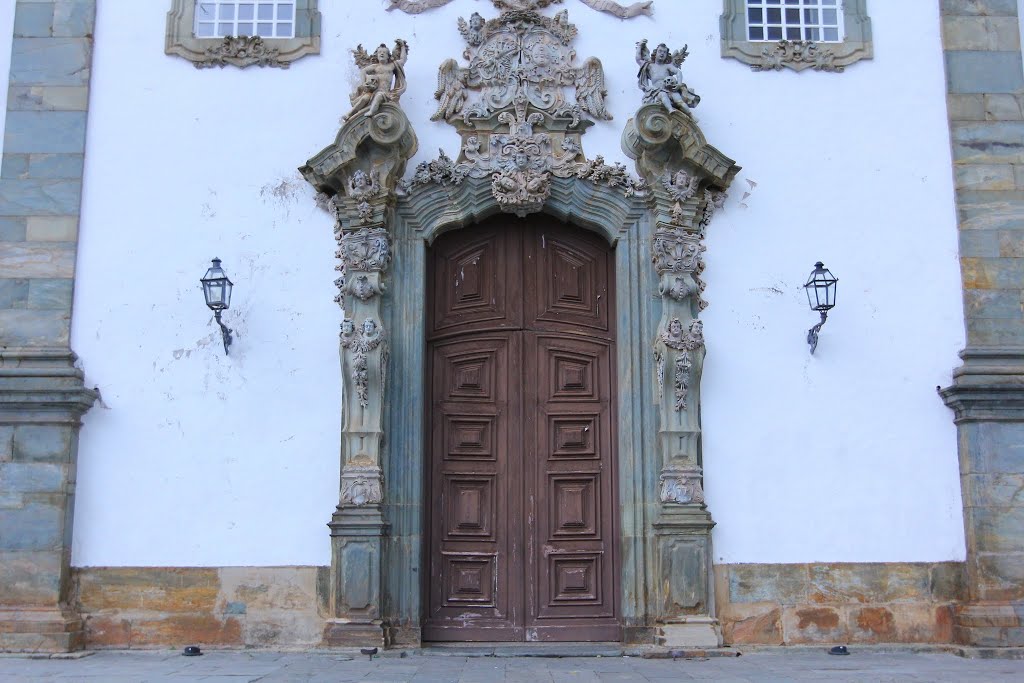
[521, 153]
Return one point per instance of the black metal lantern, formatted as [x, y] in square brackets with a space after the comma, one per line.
[217, 290]
[821, 297]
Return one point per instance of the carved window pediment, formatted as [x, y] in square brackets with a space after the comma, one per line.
[243, 51]
[799, 44]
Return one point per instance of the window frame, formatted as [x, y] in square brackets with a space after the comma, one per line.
[207, 52]
[855, 45]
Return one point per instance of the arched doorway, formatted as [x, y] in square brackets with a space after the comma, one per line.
[522, 529]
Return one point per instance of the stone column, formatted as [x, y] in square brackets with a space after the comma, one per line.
[985, 84]
[42, 395]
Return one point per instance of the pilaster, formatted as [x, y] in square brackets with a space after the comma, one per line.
[985, 86]
[42, 393]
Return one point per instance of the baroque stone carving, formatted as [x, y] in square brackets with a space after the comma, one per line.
[621, 11]
[241, 51]
[361, 486]
[382, 78]
[360, 342]
[790, 53]
[682, 487]
[675, 338]
[660, 78]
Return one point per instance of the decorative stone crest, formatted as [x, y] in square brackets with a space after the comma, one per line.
[382, 78]
[241, 51]
[682, 487]
[660, 78]
[621, 11]
[797, 54]
[361, 486]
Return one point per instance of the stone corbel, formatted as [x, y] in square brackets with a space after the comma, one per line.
[359, 173]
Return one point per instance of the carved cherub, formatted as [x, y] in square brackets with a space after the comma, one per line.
[362, 184]
[451, 90]
[590, 90]
[472, 32]
[382, 78]
[660, 78]
[681, 186]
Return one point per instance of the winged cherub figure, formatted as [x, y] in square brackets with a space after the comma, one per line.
[382, 78]
[451, 90]
[590, 90]
[661, 79]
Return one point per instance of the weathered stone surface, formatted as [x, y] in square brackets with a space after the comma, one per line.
[980, 33]
[1003, 108]
[51, 295]
[751, 623]
[992, 273]
[32, 260]
[922, 623]
[74, 18]
[1003, 211]
[872, 625]
[987, 490]
[51, 61]
[13, 293]
[155, 589]
[994, 303]
[52, 228]
[33, 19]
[985, 177]
[182, 628]
[781, 583]
[995, 448]
[32, 477]
[45, 132]
[814, 625]
[979, 7]
[1011, 243]
[40, 196]
[996, 529]
[995, 142]
[43, 443]
[48, 98]
[30, 578]
[12, 229]
[35, 526]
[34, 328]
[947, 581]
[966, 107]
[6, 443]
[56, 165]
[869, 583]
[984, 72]
[14, 166]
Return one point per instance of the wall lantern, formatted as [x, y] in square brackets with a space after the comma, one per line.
[821, 296]
[217, 290]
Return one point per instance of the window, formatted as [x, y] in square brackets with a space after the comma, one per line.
[275, 19]
[817, 20]
[243, 32]
[771, 35]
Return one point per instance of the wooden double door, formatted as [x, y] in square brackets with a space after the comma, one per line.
[522, 518]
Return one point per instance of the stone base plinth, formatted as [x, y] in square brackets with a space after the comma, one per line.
[346, 634]
[699, 632]
[990, 625]
[30, 630]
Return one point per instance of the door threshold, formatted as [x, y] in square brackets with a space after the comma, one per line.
[573, 649]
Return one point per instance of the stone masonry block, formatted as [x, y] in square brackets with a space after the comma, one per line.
[45, 131]
[750, 623]
[985, 177]
[52, 229]
[992, 448]
[965, 107]
[42, 98]
[814, 624]
[980, 33]
[6, 443]
[922, 623]
[994, 8]
[50, 61]
[74, 18]
[13, 293]
[34, 477]
[37, 259]
[994, 303]
[1018, 171]
[33, 19]
[992, 273]
[30, 578]
[35, 526]
[996, 529]
[984, 72]
[1003, 108]
[40, 197]
[948, 581]
[43, 443]
[12, 229]
[56, 165]
[782, 583]
[14, 166]
[50, 295]
[869, 582]
[1001, 576]
[996, 211]
[176, 590]
[34, 328]
[875, 624]
[996, 142]
[979, 243]
[993, 490]
[1011, 243]
[995, 332]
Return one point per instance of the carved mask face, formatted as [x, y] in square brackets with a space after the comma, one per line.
[383, 54]
[675, 328]
[348, 327]
[697, 328]
[522, 160]
[476, 22]
[661, 54]
[369, 326]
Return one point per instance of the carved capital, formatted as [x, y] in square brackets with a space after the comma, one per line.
[681, 487]
[361, 486]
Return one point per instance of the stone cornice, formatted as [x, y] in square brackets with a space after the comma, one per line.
[988, 387]
[42, 385]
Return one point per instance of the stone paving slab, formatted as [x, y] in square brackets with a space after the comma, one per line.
[273, 667]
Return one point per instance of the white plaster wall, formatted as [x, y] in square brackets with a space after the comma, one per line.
[201, 459]
[6, 42]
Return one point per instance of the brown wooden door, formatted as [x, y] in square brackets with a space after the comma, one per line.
[521, 498]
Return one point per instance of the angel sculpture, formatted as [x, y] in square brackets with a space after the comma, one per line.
[451, 90]
[362, 183]
[472, 32]
[681, 186]
[661, 79]
[590, 90]
[382, 78]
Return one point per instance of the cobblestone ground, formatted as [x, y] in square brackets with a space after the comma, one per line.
[267, 667]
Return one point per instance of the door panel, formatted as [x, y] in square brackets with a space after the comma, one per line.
[521, 491]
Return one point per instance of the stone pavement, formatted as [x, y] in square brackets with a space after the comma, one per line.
[267, 667]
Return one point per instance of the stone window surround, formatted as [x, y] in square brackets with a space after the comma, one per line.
[181, 39]
[855, 46]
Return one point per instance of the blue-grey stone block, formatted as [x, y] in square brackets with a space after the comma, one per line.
[979, 243]
[14, 166]
[13, 229]
[36, 526]
[45, 131]
[992, 8]
[74, 18]
[33, 19]
[34, 328]
[992, 447]
[13, 293]
[996, 529]
[6, 442]
[56, 165]
[994, 213]
[50, 61]
[235, 608]
[994, 303]
[995, 332]
[40, 197]
[989, 142]
[43, 443]
[976, 71]
[32, 477]
[47, 294]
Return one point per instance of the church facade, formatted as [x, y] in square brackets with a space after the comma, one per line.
[516, 345]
